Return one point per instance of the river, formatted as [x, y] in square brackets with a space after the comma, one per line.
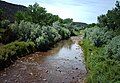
[64, 63]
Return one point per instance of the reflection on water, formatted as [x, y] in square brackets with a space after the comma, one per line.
[63, 63]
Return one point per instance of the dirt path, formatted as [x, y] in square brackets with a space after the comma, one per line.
[63, 64]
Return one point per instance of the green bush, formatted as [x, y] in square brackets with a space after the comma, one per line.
[102, 57]
[99, 36]
[15, 49]
[51, 34]
[96, 35]
[48, 36]
[65, 33]
[101, 69]
[113, 49]
[41, 36]
[42, 42]
[5, 23]
[24, 30]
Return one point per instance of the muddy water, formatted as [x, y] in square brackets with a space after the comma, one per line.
[62, 64]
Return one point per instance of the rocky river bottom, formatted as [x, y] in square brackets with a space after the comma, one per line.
[64, 63]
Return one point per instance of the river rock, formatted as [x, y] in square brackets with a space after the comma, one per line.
[44, 79]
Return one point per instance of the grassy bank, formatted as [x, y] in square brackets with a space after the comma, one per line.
[100, 68]
[10, 52]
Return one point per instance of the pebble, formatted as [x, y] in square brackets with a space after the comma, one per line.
[18, 75]
[46, 71]
[58, 70]
[4, 74]
[36, 75]
[65, 77]
[16, 81]
[31, 73]
[40, 76]
[75, 57]
[30, 58]
[5, 81]
[71, 72]
[73, 77]
[44, 79]
[67, 59]
[76, 68]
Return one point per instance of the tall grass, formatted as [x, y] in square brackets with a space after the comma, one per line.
[100, 68]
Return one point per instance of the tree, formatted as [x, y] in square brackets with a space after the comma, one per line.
[102, 19]
[37, 14]
[20, 15]
[68, 20]
[111, 20]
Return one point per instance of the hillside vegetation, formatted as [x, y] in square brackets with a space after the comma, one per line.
[33, 29]
[9, 10]
[101, 46]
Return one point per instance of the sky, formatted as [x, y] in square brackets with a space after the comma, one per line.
[80, 10]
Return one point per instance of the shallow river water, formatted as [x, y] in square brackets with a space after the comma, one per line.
[62, 64]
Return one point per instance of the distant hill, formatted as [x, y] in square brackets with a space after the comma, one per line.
[10, 9]
[80, 24]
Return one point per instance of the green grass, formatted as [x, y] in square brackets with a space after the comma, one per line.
[100, 69]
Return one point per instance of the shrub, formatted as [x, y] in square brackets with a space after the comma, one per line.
[101, 68]
[41, 36]
[49, 35]
[23, 30]
[5, 23]
[15, 49]
[35, 33]
[113, 49]
[95, 35]
[99, 36]
[65, 33]
[41, 42]
[52, 34]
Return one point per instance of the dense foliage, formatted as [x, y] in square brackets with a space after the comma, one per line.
[113, 49]
[42, 36]
[37, 14]
[111, 20]
[36, 25]
[101, 46]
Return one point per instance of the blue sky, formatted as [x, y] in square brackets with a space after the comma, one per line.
[80, 10]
